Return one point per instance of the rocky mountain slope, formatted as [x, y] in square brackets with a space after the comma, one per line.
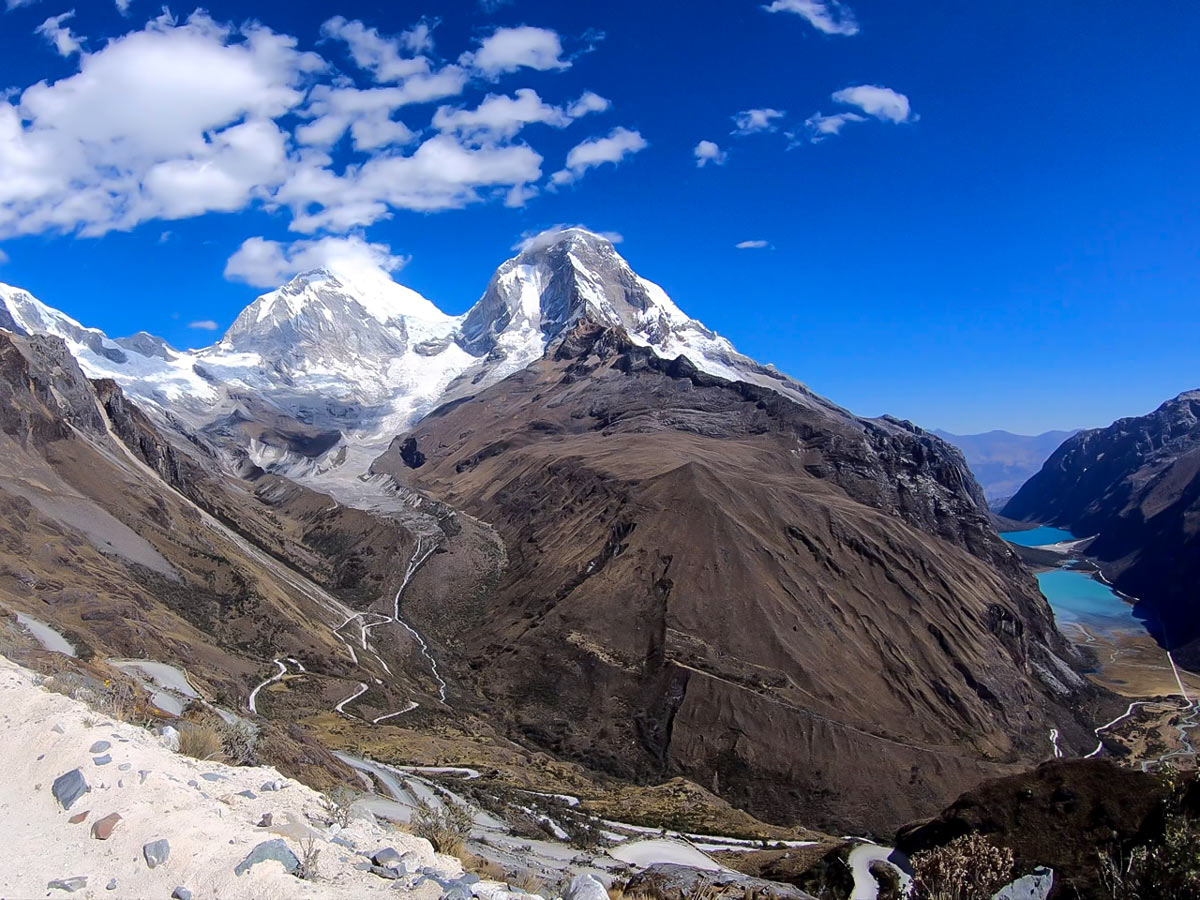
[117, 813]
[610, 537]
[704, 578]
[1002, 461]
[1135, 486]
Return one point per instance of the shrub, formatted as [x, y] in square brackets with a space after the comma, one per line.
[338, 805]
[967, 868]
[200, 741]
[239, 740]
[447, 828]
[309, 854]
[1168, 869]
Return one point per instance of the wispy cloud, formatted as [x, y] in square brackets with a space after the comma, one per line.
[60, 36]
[753, 121]
[708, 152]
[535, 240]
[265, 263]
[614, 147]
[875, 101]
[204, 325]
[880, 102]
[751, 245]
[827, 16]
[10, 5]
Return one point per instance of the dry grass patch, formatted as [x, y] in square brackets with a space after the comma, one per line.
[201, 741]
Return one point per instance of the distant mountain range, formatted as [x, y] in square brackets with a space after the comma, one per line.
[1135, 485]
[574, 518]
[1002, 461]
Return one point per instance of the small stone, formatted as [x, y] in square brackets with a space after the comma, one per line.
[59, 729]
[470, 878]
[102, 760]
[269, 850]
[363, 866]
[344, 842]
[70, 885]
[103, 828]
[41, 756]
[386, 856]
[212, 776]
[156, 852]
[99, 747]
[275, 785]
[458, 892]
[142, 773]
[69, 787]
[193, 783]
[249, 795]
[169, 737]
[265, 821]
[125, 767]
[79, 817]
[389, 872]
[181, 893]
[112, 885]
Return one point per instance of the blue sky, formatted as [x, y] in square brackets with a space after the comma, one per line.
[1007, 236]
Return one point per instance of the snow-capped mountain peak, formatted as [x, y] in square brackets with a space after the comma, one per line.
[561, 277]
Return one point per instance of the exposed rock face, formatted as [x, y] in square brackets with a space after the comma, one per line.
[705, 578]
[1135, 485]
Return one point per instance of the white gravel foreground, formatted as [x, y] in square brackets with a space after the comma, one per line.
[210, 828]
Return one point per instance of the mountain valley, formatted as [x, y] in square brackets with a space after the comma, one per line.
[572, 539]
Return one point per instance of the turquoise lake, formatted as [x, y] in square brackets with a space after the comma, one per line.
[1075, 597]
[1037, 537]
[1079, 599]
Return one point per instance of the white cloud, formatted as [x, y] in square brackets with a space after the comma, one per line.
[171, 108]
[619, 143]
[500, 118]
[440, 174]
[60, 37]
[379, 55]
[827, 16]
[588, 102]
[122, 6]
[178, 119]
[545, 238]
[821, 126]
[880, 102]
[204, 325]
[751, 245]
[510, 49]
[752, 121]
[3, 257]
[367, 113]
[708, 152]
[265, 263]
[10, 5]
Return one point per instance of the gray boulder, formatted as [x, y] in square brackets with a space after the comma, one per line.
[386, 856]
[69, 787]
[156, 852]
[586, 887]
[169, 737]
[1034, 886]
[269, 850]
[99, 747]
[181, 893]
